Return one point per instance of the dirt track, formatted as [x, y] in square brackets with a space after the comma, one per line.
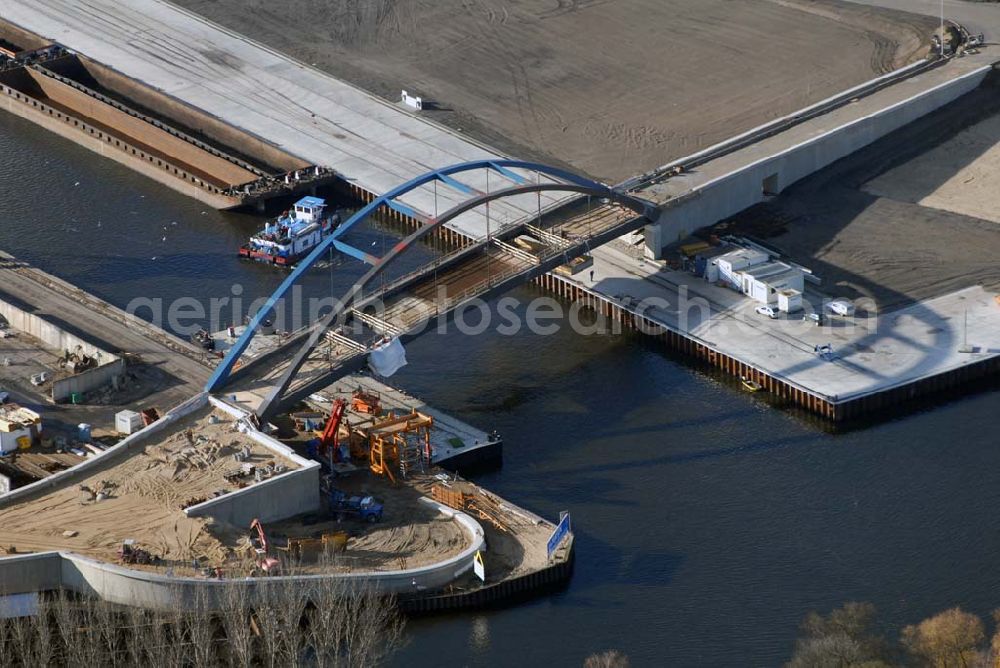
[611, 88]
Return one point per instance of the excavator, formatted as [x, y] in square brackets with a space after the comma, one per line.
[258, 539]
[330, 438]
[298, 550]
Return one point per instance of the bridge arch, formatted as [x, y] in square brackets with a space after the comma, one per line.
[567, 182]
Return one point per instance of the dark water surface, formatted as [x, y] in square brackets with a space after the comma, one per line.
[708, 523]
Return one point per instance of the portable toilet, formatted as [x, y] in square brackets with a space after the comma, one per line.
[789, 300]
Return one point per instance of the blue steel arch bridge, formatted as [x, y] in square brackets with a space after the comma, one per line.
[339, 343]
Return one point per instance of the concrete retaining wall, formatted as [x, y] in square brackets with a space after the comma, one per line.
[52, 570]
[291, 493]
[64, 388]
[21, 574]
[728, 195]
[55, 337]
[48, 333]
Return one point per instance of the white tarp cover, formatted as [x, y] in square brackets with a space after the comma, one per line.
[387, 358]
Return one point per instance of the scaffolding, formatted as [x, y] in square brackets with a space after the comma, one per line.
[400, 444]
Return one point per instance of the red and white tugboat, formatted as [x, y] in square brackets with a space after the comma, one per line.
[292, 235]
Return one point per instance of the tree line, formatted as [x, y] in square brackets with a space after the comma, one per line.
[850, 637]
[329, 624]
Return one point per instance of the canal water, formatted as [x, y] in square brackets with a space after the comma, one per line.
[708, 523]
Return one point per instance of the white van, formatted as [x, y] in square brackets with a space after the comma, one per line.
[841, 307]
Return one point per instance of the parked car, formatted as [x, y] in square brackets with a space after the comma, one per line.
[841, 307]
[769, 311]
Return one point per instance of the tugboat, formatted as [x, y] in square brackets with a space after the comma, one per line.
[287, 239]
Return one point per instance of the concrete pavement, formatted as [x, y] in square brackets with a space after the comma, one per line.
[871, 353]
[375, 145]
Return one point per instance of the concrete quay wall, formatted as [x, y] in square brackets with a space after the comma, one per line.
[53, 570]
[783, 392]
[729, 194]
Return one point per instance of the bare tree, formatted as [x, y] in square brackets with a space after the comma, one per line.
[200, 627]
[609, 659]
[22, 633]
[179, 649]
[136, 623]
[235, 615]
[328, 623]
[66, 616]
[291, 608]
[267, 616]
[4, 636]
[45, 633]
[845, 637]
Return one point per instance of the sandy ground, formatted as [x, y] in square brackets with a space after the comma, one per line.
[961, 175]
[897, 248]
[147, 491]
[610, 88]
[410, 535]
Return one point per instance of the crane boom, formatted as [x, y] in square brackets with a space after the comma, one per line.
[331, 434]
